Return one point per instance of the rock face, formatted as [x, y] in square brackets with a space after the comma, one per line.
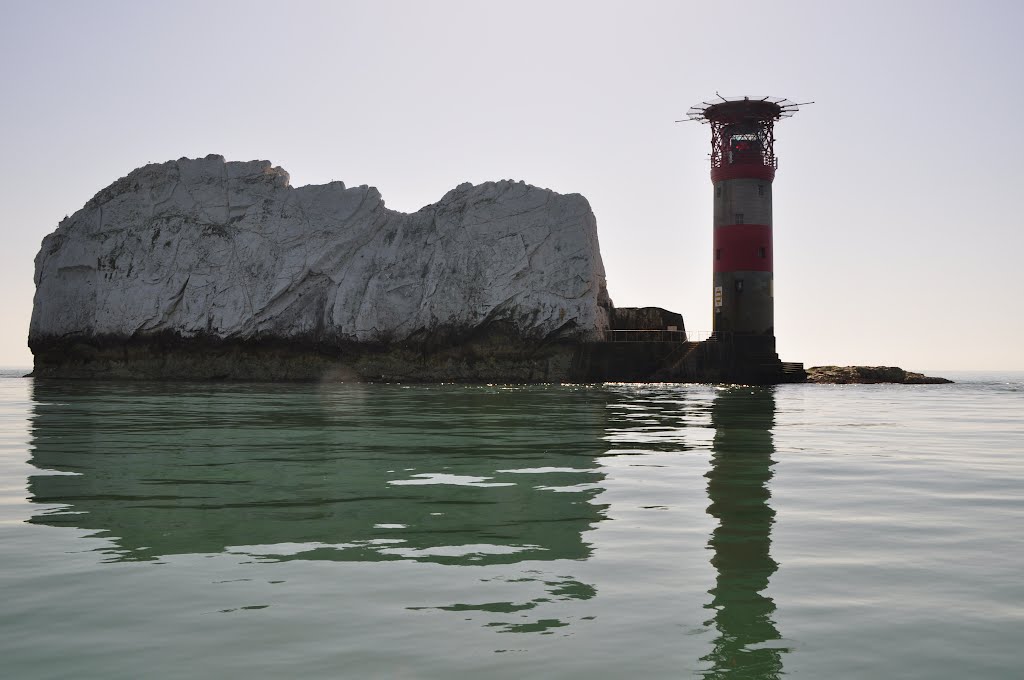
[646, 318]
[200, 257]
[867, 375]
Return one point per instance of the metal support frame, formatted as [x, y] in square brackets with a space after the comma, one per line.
[722, 132]
[743, 115]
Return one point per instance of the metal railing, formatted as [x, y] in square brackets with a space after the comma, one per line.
[645, 336]
[699, 336]
[655, 335]
[659, 335]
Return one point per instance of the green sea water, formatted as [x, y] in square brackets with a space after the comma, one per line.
[617, 531]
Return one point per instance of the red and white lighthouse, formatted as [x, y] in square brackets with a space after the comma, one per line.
[743, 166]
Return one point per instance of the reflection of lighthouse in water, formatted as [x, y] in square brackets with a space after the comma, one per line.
[738, 490]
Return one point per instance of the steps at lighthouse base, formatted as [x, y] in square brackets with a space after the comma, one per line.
[751, 361]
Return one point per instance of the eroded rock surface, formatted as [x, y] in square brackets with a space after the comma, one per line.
[218, 252]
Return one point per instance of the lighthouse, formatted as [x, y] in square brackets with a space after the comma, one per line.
[743, 166]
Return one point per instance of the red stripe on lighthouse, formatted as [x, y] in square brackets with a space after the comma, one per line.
[743, 171]
[743, 248]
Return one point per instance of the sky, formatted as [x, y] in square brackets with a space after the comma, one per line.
[896, 236]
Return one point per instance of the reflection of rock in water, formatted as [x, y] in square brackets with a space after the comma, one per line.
[738, 490]
[342, 472]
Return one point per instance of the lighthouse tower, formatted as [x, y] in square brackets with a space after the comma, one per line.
[743, 166]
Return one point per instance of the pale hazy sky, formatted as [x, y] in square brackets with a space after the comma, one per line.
[898, 223]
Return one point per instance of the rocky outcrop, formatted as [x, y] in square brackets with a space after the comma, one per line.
[646, 318]
[207, 268]
[868, 375]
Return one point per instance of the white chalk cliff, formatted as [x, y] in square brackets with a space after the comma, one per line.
[207, 248]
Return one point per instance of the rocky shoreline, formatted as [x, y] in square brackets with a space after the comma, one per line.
[491, 355]
[869, 375]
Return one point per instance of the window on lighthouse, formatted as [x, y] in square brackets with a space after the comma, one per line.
[744, 148]
[744, 142]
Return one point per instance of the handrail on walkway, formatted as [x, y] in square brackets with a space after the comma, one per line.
[655, 335]
[645, 336]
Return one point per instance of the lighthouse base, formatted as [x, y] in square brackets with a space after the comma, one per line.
[735, 359]
[739, 360]
[750, 360]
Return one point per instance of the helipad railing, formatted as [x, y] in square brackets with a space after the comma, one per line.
[645, 336]
[655, 335]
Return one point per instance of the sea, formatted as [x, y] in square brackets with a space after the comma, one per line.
[339, 530]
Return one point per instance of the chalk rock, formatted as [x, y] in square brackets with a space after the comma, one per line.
[230, 250]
